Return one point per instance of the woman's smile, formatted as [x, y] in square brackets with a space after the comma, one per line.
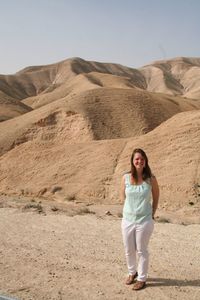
[139, 161]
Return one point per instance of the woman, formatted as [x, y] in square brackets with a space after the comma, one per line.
[137, 189]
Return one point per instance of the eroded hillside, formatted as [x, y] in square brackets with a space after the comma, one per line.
[74, 124]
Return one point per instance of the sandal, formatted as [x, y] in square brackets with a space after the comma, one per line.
[131, 278]
[139, 285]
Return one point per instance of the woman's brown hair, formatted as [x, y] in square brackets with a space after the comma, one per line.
[146, 174]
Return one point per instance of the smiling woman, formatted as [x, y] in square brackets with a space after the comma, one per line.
[137, 189]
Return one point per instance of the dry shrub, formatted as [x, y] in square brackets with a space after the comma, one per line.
[70, 197]
[35, 206]
[162, 219]
[83, 211]
[56, 189]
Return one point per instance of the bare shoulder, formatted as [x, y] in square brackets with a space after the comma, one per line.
[124, 174]
[124, 177]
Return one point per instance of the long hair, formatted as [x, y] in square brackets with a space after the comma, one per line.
[146, 174]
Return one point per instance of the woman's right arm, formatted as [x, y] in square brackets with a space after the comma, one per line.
[155, 195]
[122, 190]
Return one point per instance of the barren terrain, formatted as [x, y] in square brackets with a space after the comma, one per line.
[76, 252]
[67, 131]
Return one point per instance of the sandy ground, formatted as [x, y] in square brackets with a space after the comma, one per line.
[47, 254]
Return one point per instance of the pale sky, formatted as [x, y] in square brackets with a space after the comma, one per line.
[129, 32]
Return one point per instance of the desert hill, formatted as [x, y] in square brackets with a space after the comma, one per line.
[96, 114]
[11, 108]
[179, 76]
[174, 154]
[40, 85]
[90, 171]
[67, 132]
[73, 126]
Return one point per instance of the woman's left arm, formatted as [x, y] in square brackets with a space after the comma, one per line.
[155, 195]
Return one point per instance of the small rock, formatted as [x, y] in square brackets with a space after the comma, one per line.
[108, 213]
[54, 208]
[56, 189]
[42, 192]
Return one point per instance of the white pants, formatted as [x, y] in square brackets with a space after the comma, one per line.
[136, 238]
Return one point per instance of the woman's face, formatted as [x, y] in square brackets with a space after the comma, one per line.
[138, 161]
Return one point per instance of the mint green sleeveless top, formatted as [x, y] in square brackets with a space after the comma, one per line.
[137, 207]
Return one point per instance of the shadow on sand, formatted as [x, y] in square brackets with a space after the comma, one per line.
[172, 282]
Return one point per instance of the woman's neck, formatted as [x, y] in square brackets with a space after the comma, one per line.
[139, 178]
[139, 174]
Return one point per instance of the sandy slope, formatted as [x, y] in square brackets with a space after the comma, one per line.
[88, 117]
[40, 85]
[91, 171]
[174, 155]
[53, 256]
[178, 76]
[101, 113]
[62, 162]
[10, 107]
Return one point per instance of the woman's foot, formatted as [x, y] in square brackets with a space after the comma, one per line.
[139, 285]
[131, 278]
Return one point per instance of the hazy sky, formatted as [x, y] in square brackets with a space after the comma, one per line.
[129, 32]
